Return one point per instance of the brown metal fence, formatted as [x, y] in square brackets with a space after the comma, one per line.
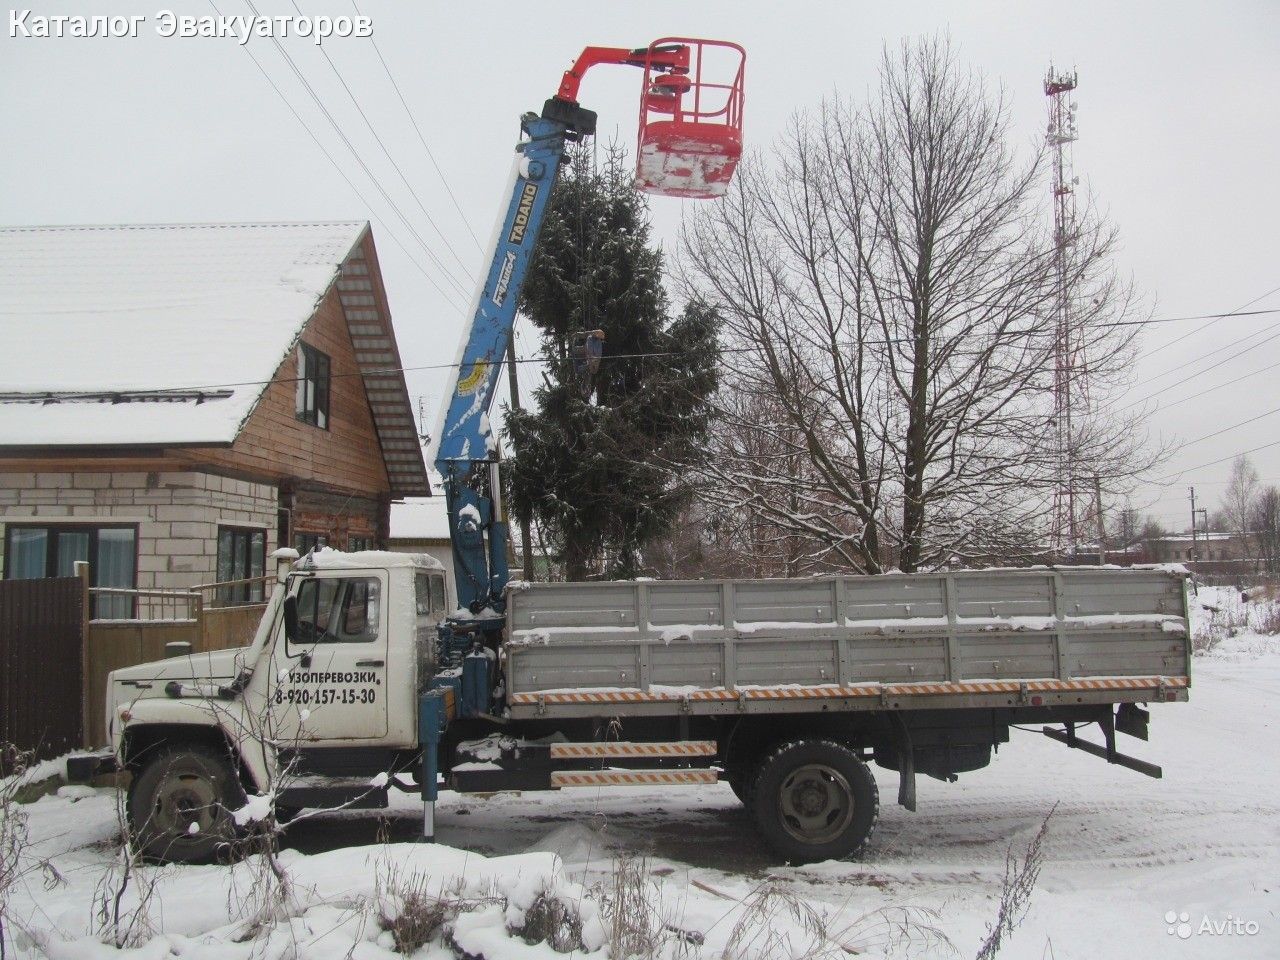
[41, 666]
[54, 661]
[166, 617]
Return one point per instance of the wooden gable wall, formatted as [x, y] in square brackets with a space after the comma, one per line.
[275, 444]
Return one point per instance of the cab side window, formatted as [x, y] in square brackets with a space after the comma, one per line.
[339, 610]
[429, 595]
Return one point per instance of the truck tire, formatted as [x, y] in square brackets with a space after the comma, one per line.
[815, 800]
[178, 787]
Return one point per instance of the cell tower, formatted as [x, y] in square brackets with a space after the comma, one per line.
[1071, 505]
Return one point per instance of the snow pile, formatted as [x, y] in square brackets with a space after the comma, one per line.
[343, 903]
[1226, 624]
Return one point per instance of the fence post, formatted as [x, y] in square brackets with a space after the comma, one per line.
[199, 645]
[81, 568]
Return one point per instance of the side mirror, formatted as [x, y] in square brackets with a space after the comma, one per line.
[291, 618]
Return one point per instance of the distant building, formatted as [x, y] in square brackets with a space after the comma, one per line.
[1207, 547]
[421, 525]
[178, 400]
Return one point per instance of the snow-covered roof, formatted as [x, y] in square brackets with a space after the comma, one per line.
[1199, 535]
[420, 518]
[330, 559]
[198, 315]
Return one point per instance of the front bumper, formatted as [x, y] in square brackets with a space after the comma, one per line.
[86, 767]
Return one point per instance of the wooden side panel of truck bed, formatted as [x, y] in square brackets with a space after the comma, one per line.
[1042, 635]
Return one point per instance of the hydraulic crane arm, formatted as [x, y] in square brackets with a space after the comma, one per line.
[466, 452]
[466, 449]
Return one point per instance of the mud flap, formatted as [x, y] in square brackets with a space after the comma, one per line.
[906, 761]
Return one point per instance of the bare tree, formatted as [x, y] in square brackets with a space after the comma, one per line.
[887, 279]
[1265, 523]
[1238, 500]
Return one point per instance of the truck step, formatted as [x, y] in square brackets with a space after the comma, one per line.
[678, 748]
[630, 778]
[319, 794]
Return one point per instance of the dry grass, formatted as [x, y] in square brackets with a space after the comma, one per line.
[1020, 875]
[125, 893]
[551, 921]
[632, 910]
[413, 915]
[13, 833]
[1267, 620]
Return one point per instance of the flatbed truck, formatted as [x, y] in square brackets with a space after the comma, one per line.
[789, 690]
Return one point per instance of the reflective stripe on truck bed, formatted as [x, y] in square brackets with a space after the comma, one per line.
[967, 687]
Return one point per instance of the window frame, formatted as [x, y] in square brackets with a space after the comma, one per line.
[315, 375]
[52, 529]
[244, 592]
[300, 537]
[340, 607]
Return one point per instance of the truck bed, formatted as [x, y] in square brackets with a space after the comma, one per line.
[985, 638]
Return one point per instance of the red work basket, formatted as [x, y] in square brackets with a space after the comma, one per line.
[690, 118]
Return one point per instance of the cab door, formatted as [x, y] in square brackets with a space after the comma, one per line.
[332, 683]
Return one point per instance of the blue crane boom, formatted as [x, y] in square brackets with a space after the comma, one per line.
[466, 452]
[691, 153]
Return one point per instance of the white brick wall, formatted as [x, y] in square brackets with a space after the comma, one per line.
[177, 514]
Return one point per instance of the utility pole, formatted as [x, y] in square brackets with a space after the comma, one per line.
[1102, 527]
[1195, 553]
[513, 384]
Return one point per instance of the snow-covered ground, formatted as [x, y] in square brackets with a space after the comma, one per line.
[1124, 854]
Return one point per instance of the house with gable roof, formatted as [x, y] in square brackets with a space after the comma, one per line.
[178, 400]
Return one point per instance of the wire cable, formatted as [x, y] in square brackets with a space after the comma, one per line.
[1215, 366]
[356, 154]
[342, 173]
[390, 159]
[1213, 320]
[1213, 463]
[421, 139]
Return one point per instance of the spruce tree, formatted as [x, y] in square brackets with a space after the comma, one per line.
[603, 464]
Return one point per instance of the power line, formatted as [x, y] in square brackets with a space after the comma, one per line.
[421, 139]
[1211, 322]
[1202, 316]
[355, 153]
[55, 395]
[338, 167]
[1198, 373]
[1220, 386]
[1214, 463]
[1227, 429]
[387, 153]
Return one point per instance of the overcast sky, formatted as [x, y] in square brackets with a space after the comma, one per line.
[1179, 140]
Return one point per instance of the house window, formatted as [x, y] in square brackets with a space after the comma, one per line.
[242, 555]
[33, 551]
[313, 386]
[355, 544]
[304, 543]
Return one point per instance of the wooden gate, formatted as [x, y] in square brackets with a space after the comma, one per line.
[41, 666]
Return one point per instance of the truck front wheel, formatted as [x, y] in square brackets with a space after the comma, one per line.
[815, 800]
[180, 805]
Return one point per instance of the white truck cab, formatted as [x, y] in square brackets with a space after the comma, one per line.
[333, 672]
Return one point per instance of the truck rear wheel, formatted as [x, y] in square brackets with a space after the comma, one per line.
[180, 804]
[815, 800]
